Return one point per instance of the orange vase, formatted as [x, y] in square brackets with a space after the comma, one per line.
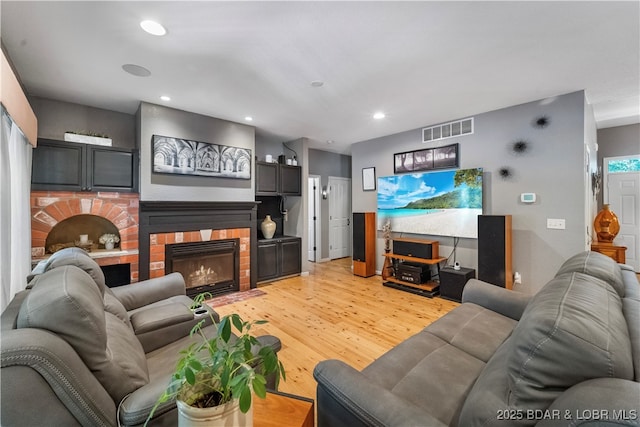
[606, 225]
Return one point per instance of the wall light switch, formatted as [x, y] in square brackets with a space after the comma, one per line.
[556, 223]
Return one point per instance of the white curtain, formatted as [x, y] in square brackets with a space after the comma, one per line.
[15, 212]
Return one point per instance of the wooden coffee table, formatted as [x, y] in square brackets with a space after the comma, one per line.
[282, 409]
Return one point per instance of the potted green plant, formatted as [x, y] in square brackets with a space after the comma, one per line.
[216, 376]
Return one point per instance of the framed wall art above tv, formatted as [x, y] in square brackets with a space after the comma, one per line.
[426, 159]
[179, 156]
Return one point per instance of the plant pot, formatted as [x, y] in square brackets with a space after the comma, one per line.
[225, 415]
[109, 246]
[268, 227]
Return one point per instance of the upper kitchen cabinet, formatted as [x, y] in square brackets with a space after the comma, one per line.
[70, 166]
[275, 179]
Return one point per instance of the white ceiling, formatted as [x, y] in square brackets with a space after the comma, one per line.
[421, 63]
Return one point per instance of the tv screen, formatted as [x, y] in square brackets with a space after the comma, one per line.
[437, 203]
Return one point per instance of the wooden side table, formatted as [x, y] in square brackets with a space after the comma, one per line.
[610, 250]
[282, 409]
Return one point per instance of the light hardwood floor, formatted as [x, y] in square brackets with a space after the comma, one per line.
[332, 314]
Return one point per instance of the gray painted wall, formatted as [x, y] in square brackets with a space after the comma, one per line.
[155, 119]
[57, 117]
[326, 164]
[275, 148]
[553, 168]
[617, 141]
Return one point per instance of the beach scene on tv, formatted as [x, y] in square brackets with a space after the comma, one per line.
[443, 203]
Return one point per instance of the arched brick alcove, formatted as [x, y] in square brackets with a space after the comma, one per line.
[121, 209]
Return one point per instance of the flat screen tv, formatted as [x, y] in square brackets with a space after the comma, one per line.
[436, 203]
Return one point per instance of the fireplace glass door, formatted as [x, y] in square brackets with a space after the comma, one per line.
[206, 266]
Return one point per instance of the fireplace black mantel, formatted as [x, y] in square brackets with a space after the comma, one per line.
[177, 216]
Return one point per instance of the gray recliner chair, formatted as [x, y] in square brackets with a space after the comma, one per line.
[71, 355]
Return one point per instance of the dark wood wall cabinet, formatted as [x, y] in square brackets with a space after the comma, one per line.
[274, 179]
[69, 166]
[279, 257]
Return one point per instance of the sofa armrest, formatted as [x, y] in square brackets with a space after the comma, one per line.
[601, 401]
[146, 292]
[501, 300]
[43, 375]
[345, 397]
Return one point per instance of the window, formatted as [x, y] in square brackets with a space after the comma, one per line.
[629, 164]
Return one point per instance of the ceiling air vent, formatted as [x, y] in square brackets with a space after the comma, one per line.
[448, 130]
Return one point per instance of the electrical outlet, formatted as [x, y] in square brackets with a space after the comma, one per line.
[556, 223]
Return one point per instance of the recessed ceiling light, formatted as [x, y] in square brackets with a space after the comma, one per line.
[136, 70]
[249, 118]
[379, 115]
[330, 141]
[317, 83]
[152, 27]
[165, 98]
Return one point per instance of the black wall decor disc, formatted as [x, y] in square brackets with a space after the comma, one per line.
[520, 146]
[505, 172]
[541, 122]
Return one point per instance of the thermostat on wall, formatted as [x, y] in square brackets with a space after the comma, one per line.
[528, 197]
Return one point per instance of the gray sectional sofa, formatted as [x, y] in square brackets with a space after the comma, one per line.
[569, 355]
[77, 353]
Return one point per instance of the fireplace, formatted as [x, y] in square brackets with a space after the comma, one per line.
[211, 266]
[167, 223]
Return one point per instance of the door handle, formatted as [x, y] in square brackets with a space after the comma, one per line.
[348, 221]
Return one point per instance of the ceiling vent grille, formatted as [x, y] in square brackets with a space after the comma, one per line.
[448, 130]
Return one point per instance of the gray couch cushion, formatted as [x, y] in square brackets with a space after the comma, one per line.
[573, 330]
[114, 306]
[597, 265]
[66, 301]
[82, 260]
[158, 317]
[452, 372]
[631, 309]
[453, 350]
[489, 394]
[473, 329]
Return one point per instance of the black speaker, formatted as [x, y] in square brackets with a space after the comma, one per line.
[364, 244]
[415, 248]
[452, 282]
[359, 253]
[494, 250]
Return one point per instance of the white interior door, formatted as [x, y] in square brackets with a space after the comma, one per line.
[314, 218]
[339, 217]
[622, 192]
